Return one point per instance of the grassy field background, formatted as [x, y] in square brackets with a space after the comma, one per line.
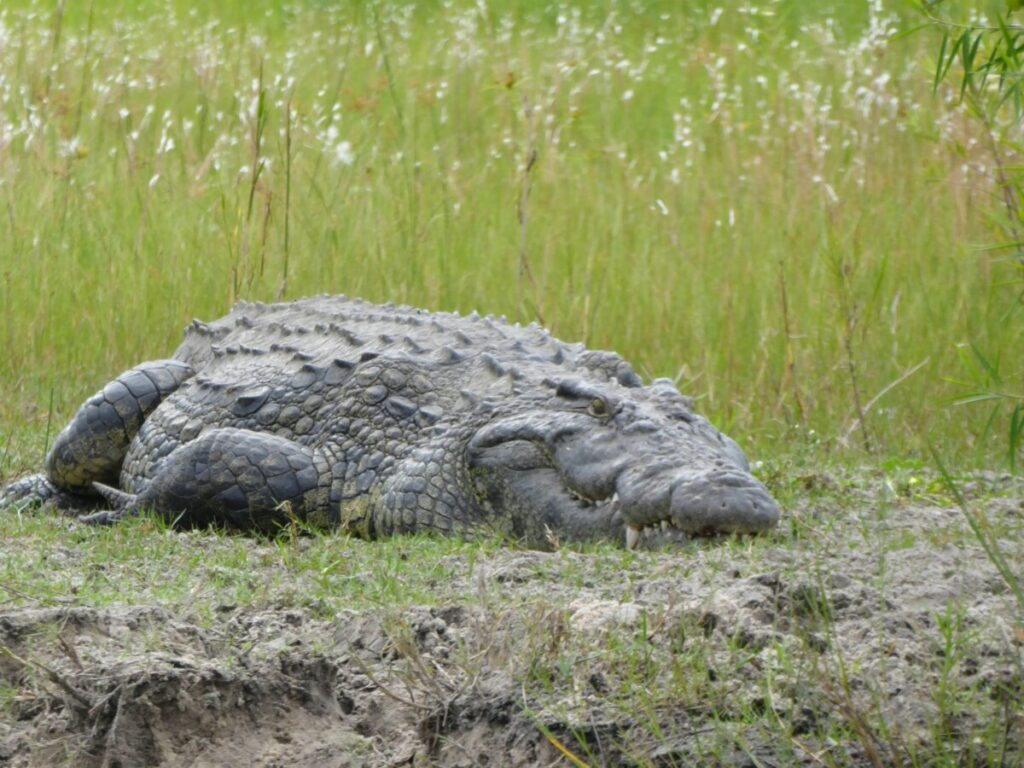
[764, 201]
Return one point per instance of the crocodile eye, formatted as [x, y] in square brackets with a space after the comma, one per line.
[598, 407]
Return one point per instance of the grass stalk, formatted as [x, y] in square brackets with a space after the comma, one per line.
[55, 34]
[49, 423]
[790, 377]
[983, 534]
[389, 74]
[283, 287]
[86, 58]
[525, 273]
[247, 273]
[847, 325]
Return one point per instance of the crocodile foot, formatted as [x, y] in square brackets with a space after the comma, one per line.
[37, 491]
[122, 505]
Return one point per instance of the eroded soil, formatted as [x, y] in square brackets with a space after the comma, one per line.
[861, 634]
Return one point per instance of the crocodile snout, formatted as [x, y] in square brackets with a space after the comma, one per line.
[722, 501]
[658, 501]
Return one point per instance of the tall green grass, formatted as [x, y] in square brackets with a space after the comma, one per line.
[764, 201]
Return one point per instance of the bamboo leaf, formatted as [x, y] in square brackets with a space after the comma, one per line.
[966, 62]
[941, 67]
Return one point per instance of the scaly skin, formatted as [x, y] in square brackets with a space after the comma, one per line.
[384, 419]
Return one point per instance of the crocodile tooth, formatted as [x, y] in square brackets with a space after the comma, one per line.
[632, 536]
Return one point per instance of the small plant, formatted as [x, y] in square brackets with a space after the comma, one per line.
[982, 531]
[987, 385]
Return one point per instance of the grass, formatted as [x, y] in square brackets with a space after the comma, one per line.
[764, 202]
[61, 562]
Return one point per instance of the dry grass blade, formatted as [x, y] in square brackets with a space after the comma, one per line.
[81, 700]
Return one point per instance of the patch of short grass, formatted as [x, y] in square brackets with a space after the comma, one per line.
[51, 560]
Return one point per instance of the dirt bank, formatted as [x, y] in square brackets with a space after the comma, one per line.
[869, 631]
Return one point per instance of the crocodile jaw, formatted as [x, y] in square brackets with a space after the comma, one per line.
[542, 508]
[720, 499]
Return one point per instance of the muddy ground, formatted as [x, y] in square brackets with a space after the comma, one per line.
[868, 631]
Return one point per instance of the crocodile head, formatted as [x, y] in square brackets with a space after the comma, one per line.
[598, 461]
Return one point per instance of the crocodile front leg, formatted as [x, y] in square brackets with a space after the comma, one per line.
[234, 478]
[92, 447]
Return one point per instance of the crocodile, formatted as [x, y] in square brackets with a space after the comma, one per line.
[383, 419]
